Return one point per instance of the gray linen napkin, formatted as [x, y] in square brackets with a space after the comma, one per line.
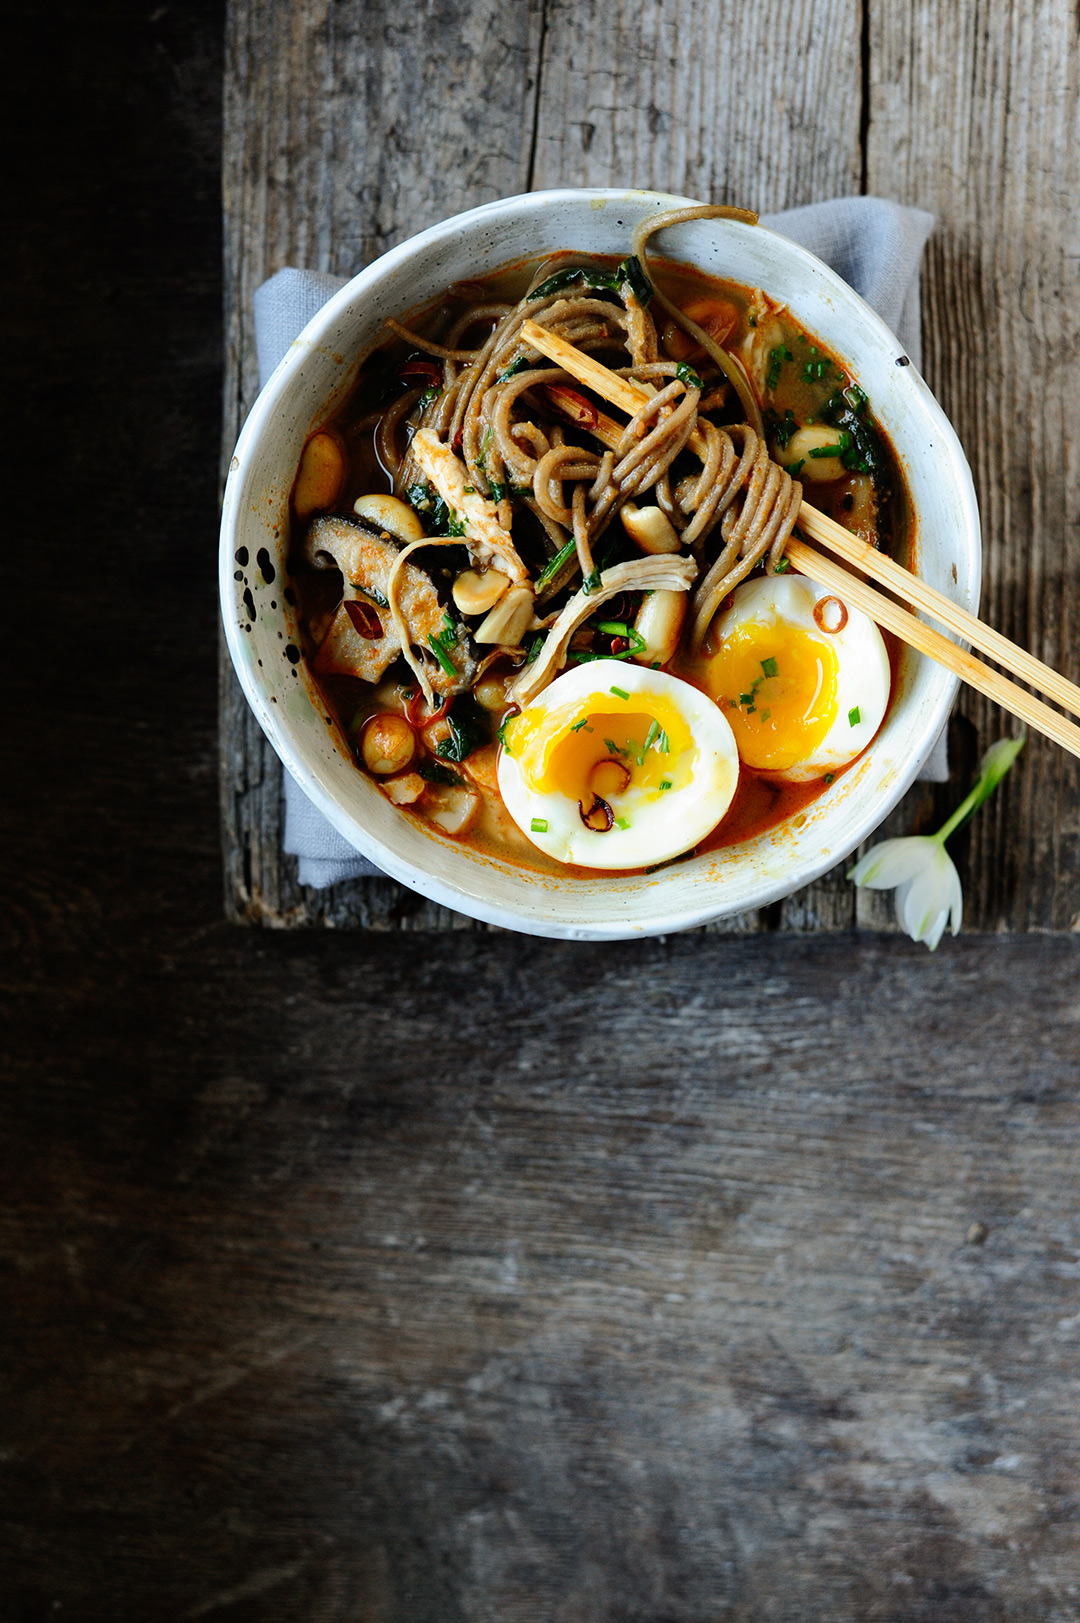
[875, 245]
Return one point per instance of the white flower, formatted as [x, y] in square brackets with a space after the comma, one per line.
[928, 893]
[927, 885]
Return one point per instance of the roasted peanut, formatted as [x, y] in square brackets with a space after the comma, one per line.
[476, 593]
[509, 619]
[660, 621]
[649, 528]
[490, 692]
[388, 513]
[387, 744]
[321, 475]
[819, 470]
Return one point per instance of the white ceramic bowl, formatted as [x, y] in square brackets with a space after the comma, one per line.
[311, 379]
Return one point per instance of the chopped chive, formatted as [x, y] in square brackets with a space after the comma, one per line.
[751, 321]
[539, 825]
[777, 357]
[622, 822]
[513, 369]
[435, 644]
[650, 737]
[591, 582]
[616, 749]
[663, 744]
[853, 716]
[782, 567]
[746, 698]
[768, 667]
[578, 725]
[619, 693]
[795, 468]
[765, 714]
[828, 778]
[553, 565]
[826, 450]
[665, 783]
[687, 375]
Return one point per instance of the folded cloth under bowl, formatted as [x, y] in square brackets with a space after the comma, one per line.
[875, 245]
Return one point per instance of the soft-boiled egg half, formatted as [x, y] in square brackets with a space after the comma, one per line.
[616, 766]
[803, 679]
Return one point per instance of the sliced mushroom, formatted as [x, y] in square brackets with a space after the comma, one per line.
[365, 560]
[660, 574]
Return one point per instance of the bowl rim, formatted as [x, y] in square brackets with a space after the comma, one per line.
[310, 777]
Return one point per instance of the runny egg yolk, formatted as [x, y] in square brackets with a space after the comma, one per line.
[578, 749]
[776, 684]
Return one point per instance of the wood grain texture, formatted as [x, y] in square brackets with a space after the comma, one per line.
[345, 1293]
[974, 115]
[349, 126]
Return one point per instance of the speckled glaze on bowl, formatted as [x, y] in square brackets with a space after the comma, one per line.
[261, 627]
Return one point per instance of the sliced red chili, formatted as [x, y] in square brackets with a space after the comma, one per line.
[421, 366]
[573, 404]
[364, 619]
[835, 610]
[599, 816]
[420, 716]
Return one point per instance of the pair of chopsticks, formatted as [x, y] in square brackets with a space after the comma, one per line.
[630, 398]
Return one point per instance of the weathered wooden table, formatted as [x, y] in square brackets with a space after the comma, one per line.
[351, 125]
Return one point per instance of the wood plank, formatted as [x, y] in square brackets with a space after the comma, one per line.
[349, 125]
[358, 1283]
[974, 115]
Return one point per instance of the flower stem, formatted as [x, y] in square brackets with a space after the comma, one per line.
[996, 762]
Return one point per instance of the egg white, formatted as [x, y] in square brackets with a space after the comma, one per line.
[863, 676]
[660, 825]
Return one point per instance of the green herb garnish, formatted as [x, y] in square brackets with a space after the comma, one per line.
[768, 667]
[828, 778]
[663, 743]
[431, 772]
[665, 783]
[782, 567]
[553, 565]
[467, 730]
[687, 375]
[578, 725]
[796, 468]
[622, 822]
[853, 716]
[832, 450]
[539, 825]
[533, 650]
[591, 583]
[777, 357]
[436, 646]
[519, 365]
[618, 692]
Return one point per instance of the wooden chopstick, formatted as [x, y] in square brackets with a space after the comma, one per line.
[928, 641]
[630, 397]
[820, 527]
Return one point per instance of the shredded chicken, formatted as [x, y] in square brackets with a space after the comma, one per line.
[484, 535]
